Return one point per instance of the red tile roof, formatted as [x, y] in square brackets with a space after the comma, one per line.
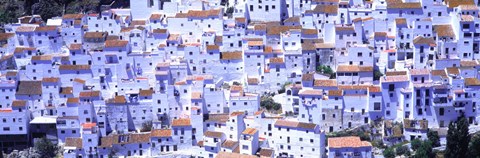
[347, 142]
[181, 122]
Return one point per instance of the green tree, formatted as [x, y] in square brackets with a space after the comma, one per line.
[146, 126]
[457, 138]
[388, 153]
[10, 10]
[377, 74]
[268, 103]
[425, 150]
[47, 9]
[284, 87]
[326, 70]
[474, 146]
[463, 136]
[83, 6]
[45, 148]
[416, 143]
[402, 150]
[434, 138]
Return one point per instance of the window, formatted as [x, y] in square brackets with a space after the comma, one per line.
[391, 87]
[376, 106]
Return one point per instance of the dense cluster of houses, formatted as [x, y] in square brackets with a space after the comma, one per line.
[186, 77]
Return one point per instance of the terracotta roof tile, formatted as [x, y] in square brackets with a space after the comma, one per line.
[267, 153]
[286, 123]
[344, 29]
[146, 92]
[311, 92]
[237, 55]
[441, 73]
[295, 19]
[162, 133]
[196, 95]
[213, 134]
[255, 43]
[42, 58]
[276, 30]
[120, 99]
[19, 103]
[73, 100]
[307, 77]
[160, 31]
[328, 9]
[419, 72]
[138, 22]
[354, 68]
[309, 46]
[223, 154]
[11, 73]
[260, 27]
[229, 144]
[73, 16]
[456, 3]
[401, 21]
[444, 30]
[75, 46]
[79, 81]
[22, 49]
[204, 13]
[374, 89]
[95, 35]
[472, 82]
[25, 29]
[156, 16]
[468, 7]
[89, 94]
[335, 93]
[404, 5]
[115, 43]
[221, 118]
[29, 88]
[395, 73]
[74, 67]
[303, 125]
[277, 60]
[453, 70]
[325, 83]
[401, 78]
[252, 81]
[469, 63]
[45, 28]
[250, 131]
[347, 142]
[6, 36]
[309, 31]
[181, 122]
[236, 113]
[236, 88]
[420, 40]
[74, 142]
